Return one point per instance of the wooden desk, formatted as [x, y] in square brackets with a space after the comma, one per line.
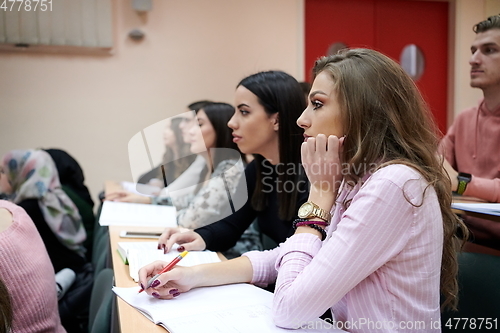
[131, 320]
[469, 246]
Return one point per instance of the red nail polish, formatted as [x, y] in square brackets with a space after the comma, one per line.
[180, 249]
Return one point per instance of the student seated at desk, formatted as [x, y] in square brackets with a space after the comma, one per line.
[25, 265]
[177, 157]
[267, 106]
[471, 143]
[31, 180]
[389, 245]
[207, 200]
[73, 184]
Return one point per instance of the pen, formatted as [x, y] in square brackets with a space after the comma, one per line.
[164, 177]
[166, 269]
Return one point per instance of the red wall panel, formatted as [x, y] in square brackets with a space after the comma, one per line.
[386, 26]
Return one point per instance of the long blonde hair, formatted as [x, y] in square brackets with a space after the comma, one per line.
[388, 122]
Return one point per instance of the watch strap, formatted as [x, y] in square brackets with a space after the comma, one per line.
[321, 213]
[463, 180]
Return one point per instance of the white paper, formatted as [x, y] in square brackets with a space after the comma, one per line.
[138, 258]
[141, 189]
[134, 214]
[235, 308]
[485, 208]
[124, 247]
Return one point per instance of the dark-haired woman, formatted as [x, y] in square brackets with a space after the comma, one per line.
[208, 198]
[177, 155]
[267, 107]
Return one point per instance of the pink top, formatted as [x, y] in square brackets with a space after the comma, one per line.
[471, 146]
[27, 272]
[379, 267]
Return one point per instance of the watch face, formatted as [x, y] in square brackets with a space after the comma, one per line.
[305, 210]
[466, 177]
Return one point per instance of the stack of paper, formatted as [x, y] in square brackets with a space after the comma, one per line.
[134, 214]
[241, 308]
[124, 247]
[141, 189]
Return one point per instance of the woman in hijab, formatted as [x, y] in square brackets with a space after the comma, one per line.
[34, 185]
[30, 179]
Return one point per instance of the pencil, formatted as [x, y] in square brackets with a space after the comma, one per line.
[166, 269]
[164, 177]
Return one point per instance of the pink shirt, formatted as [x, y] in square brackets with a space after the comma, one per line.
[471, 145]
[27, 272]
[379, 267]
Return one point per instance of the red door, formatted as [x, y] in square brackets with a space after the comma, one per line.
[387, 26]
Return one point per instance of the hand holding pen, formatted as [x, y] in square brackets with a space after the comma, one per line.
[164, 270]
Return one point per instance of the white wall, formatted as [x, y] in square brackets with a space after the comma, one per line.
[92, 105]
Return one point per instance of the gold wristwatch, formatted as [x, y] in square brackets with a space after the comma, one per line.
[310, 210]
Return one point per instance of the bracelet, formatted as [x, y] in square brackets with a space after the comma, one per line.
[318, 228]
[296, 221]
[300, 224]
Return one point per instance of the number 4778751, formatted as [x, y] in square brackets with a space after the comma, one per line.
[472, 323]
[26, 5]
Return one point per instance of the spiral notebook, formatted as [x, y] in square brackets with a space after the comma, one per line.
[242, 308]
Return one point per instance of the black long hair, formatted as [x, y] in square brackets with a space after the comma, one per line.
[278, 92]
[182, 160]
[219, 114]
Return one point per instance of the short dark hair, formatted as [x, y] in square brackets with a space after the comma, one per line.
[492, 22]
[278, 92]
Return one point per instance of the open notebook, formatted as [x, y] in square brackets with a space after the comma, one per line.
[241, 308]
[139, 254]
